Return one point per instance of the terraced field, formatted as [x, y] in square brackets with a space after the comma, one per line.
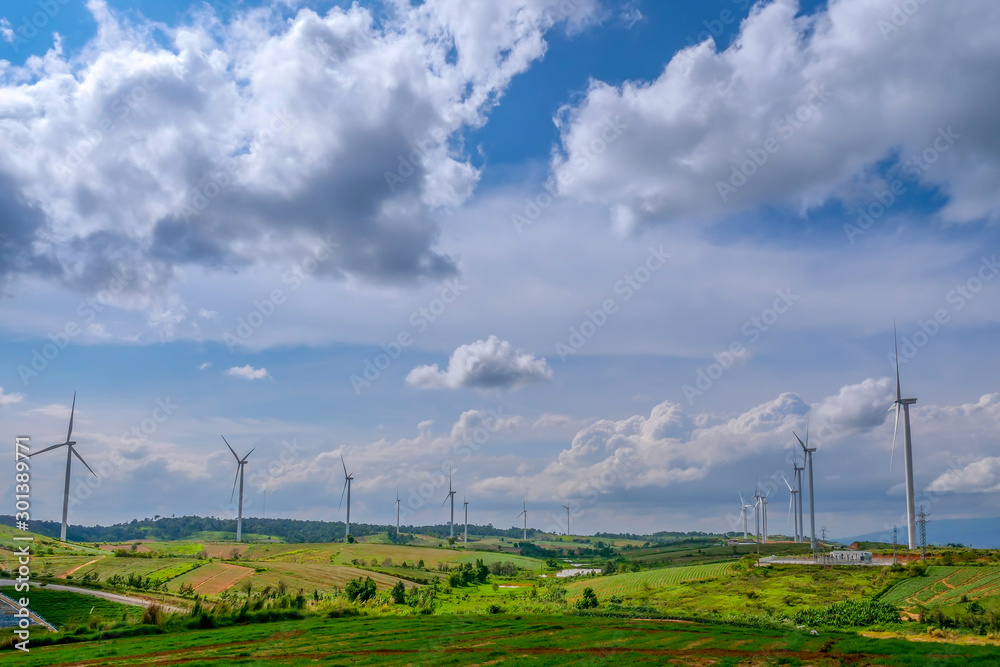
[944, 585]
[633, 582]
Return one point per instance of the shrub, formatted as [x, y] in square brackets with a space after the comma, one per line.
[361, 590]
[849, 614]
[589, 600]
[152, 615]
[495, 609]
[398, 593]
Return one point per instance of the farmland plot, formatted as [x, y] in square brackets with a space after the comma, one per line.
[633, 582]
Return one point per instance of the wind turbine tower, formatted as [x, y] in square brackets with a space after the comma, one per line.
[792, 493]
[451, 496]
[465, 536]
[524, 513]
[397, 511]
[904, 403]
[763, 502]
[798, 485]
[348, 478]
[240, 466]
[812, 487]
[70, 453]
[566, 507]
[743, 514]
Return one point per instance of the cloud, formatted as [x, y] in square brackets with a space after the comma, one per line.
[205, 364]
[784, 103]
[857, 407]
[248, 372]
[9, 399]
[982, 476]
[484, 364]
[245, 142]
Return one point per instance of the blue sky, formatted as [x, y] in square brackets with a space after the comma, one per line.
[627, 259]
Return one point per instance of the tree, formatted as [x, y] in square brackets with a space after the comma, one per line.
[361, 590]
[399, 593]
[589, 600]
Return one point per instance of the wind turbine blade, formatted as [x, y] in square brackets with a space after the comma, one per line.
[77, 454]
[230, 448]
[342, 494]
[742, 502]
[248, 455]
[895, 428]
[783, 479]
[235, 479]
[791, 502]
[42, 451]
[803, 445]
[445, 499]
[345, 466]
[72, 411]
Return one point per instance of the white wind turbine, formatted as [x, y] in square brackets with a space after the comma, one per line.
[240, 465]
[465, 537]
[348, 478]
[451, 495]
[524, 513]
[398, 500]
[809, 451]
[798, 486]
[566, 507]
[792, 493]
[70, 453]
[756, 512]
[763, 502]
[904, 404]
[743, 514]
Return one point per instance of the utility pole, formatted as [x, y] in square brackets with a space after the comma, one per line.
[895, 532]
[822, 531]
[922, 523]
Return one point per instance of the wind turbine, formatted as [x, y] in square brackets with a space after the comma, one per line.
[348, 477]
[398, 500]
[524, 513]
[756, 513]
[798, 485]
[451, 495]
[763, 502]
[812, 487]
[465, 537]
[70, 453]
[743, 513]
[792, 493]
[240, 465]
[566, 507]
[904, 403]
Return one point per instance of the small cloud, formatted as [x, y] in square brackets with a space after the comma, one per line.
[630, 16]
[9, 399]
[982, 476]
[206, 364]
[7, 31]
[485, 364]
[98, 331]
[206, 314]
[248, 372]
[51, 410]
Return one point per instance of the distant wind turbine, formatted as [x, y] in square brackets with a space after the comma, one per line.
[465, 537]
[566, 507]
[450, 496]
[348, 478]
[524, 513]
[809, 451]
[398, 500]
[798, 485]
[743, 514]
[904, 404]
[763, 501]
[70, 453]
[240, 465]
[792, 493]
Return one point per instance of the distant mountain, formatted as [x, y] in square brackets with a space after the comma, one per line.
[979, 533]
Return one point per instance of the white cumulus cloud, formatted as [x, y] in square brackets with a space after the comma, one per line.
[248, 372]
[484, 364]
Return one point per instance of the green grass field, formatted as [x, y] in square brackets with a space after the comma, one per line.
[629, 584]
[946, 585]
[65, 609]
[504, 640]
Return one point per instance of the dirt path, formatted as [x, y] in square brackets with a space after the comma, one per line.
[66, 574]
[114, 597]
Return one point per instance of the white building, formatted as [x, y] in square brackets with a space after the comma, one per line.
[849, 557]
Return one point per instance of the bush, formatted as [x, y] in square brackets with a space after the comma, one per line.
[152, 615]
[495, 609]
[359, 590]
[589, 600]
[849, 614]
[398, 593]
